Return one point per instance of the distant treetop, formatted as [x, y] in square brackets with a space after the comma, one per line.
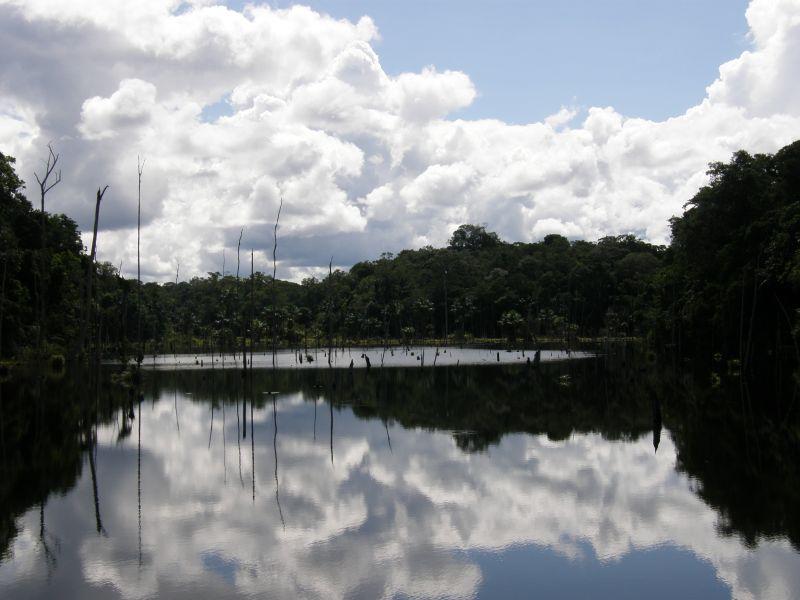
[473, 237]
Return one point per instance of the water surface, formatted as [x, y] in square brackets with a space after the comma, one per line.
[473, 482]
[360, 358]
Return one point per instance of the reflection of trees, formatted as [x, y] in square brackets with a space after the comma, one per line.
[275, 451]
[46, 432]
[483, 404]
[745, 465]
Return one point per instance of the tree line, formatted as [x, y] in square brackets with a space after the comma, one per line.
[725, 290]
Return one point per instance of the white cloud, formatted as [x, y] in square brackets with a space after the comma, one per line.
[127, 108]
[365, 161]
[562, 117]
[18, 129]
[764, 81]
[430, 95]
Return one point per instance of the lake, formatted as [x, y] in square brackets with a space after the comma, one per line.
[577, 479]
[359, 358]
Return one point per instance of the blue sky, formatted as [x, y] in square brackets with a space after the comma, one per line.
[646, 58]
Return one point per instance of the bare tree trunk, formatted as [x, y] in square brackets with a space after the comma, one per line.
[139, 342]
[177, 271]
[221, 341]
[224, 447]
[252, 445]
[252, 306]
[139, 473]
[445, 308]
[45, 185]
[275, 451]
[88, 303]
[97, 520]
[3, 301]
[330, 307]
[238, 438]
[274, 290]
[244, 349]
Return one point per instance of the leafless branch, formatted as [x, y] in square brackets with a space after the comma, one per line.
[45, 184]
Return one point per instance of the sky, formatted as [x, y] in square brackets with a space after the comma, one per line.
[385, 125]
[529, 58]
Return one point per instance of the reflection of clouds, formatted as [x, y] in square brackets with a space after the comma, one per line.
[23, 552]
[375, 523]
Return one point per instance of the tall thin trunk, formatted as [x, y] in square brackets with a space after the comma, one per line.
[252, 446]
[139, 341]
[97, 520]
[213, 400]
[45, 185]
[222, 333]
[3, 301]
[275, 450]
[175, 402]
[177, 271]
[252, 305]
[3, 431]
[330, 315]
[445, 308]
[274, 289]
[88, 302]
[244, 351]
[244, 413]
[238, 438]
[224, 448]
[139, 475]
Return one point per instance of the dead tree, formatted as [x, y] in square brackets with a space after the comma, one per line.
[238, 296]
[140, 350]
[96, 496]
[446, 333]
[222, 331]
[88, 301]
[330, 307]
[274, 290]
[177, 271]
[45, 185]
[3, 300]
[252, 307]
[275, 451]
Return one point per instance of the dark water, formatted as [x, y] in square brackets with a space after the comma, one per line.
[487, 482]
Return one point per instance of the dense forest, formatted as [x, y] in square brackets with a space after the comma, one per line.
[726, 289]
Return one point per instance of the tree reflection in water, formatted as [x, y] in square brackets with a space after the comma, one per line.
[510, 424]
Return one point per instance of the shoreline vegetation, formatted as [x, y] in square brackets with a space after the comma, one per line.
[725, 290]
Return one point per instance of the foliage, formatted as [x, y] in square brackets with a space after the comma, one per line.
[732, 281]
[727, 285]
[22, 261]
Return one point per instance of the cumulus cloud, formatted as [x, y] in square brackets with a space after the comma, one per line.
[562, 117]
[366, 162]
[129, 107]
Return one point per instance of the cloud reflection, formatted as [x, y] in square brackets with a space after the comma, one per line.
[374, 524]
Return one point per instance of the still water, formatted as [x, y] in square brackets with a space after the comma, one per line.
[573, 480]
[359, 358]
